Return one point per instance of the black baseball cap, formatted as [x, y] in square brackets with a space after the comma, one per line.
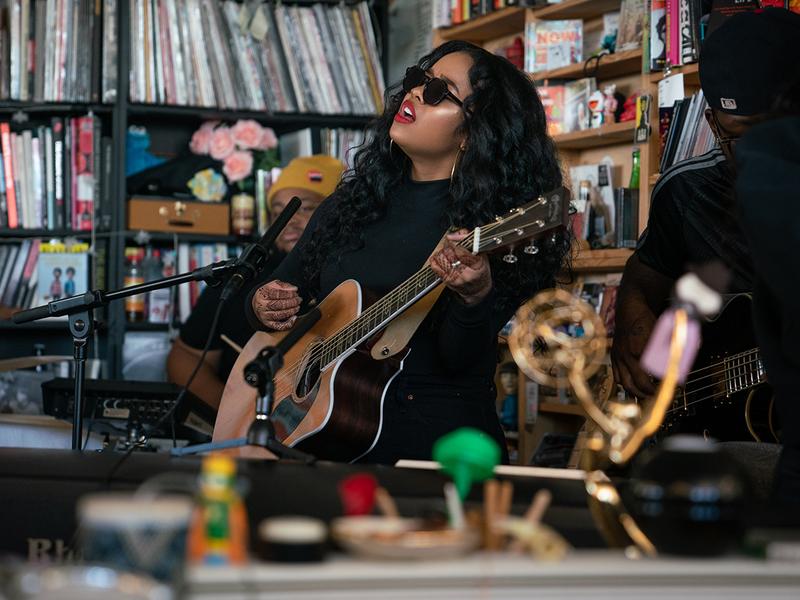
[749, 60]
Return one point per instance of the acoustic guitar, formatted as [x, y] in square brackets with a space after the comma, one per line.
[329, 395]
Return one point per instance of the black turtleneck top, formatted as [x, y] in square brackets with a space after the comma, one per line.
[447, 379]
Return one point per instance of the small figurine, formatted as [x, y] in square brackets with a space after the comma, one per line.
[508, 381]
[218, 534]
[596, 103]
[610, 103]
[629, 108]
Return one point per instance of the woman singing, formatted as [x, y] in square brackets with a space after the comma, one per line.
[462, 141]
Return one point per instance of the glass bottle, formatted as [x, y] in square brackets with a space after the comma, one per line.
[134, 305]
[634, 183]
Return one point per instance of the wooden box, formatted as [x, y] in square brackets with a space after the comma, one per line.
[182, 216]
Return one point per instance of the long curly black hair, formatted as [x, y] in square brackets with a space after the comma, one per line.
[509, 160]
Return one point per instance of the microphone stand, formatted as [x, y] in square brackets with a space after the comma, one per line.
[260, 374]
[80, 310]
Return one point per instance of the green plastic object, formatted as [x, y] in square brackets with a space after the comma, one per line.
[468, 456]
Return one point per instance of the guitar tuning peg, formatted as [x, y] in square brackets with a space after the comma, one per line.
[510, 258]
[531, 249]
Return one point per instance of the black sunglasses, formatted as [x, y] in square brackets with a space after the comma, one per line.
[435, 89]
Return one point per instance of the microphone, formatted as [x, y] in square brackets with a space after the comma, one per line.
[251, 261]
[699, 293]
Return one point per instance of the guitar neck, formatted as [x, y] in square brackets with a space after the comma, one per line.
[546, 212]
[379, 315]
[384, 311]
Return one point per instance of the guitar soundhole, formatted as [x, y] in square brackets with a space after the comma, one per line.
[308, 381]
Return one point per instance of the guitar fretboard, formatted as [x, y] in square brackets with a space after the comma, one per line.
[743, 371]
[521, 223]
[377, 315]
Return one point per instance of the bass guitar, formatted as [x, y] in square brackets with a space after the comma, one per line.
[329, 394]
[725, 395]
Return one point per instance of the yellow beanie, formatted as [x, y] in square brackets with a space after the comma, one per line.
[318, 173]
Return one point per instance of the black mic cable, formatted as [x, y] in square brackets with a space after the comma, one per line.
[253, 257]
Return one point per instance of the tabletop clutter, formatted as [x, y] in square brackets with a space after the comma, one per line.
[161, 534]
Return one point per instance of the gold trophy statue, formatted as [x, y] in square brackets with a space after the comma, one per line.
[558, 340]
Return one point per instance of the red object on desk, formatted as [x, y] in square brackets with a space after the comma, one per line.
[358, 494]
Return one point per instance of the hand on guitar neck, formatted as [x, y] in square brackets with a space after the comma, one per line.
[276, 305]
[467, 274]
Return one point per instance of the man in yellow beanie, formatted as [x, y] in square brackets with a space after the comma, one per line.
[310, 178]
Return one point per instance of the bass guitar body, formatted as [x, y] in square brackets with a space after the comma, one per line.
[724, 396]
[332, 411]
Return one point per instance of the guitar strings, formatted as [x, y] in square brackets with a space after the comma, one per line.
[728, 358]
[726, 367]
[696, 391]
[370, 312]
[419, 277]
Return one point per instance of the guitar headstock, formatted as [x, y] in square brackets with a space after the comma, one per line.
[532, 220]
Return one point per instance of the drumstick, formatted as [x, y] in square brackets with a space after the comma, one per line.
[386, 503]
[534, 514]
[231, 343]
[490, 493]
[505, 496]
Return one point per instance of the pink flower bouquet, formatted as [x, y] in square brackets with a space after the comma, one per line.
[242, 147]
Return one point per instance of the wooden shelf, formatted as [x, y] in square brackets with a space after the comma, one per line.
[611, 65]
[494, 25]
[276, 120]
[653, 179]
[691, 74]
[562, 409]
[46, 233]
[607, 135]
[613, 259]
[577, 9]
[166, 236]
[13, 106]
[147, 326]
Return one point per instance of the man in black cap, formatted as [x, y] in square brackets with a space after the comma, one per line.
[743, 66]
[767, 191]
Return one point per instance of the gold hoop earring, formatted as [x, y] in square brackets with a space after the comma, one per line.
[455, 162]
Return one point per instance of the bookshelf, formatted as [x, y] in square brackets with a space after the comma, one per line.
[172, 126]
[628, 62]
[591, 146]
[577, 9]
[607, 135]
[601, 260]
[561, 409]
[506, 21]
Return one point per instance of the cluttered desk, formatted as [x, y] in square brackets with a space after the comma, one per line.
[460, 526]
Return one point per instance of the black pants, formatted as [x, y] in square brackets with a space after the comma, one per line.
[415, 415]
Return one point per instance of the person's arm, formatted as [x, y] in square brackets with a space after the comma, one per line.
[206, 385]
[468, 324]
[640, 300]
[647, 281]
[289, 272]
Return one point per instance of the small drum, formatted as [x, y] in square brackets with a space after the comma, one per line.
[135, 533]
